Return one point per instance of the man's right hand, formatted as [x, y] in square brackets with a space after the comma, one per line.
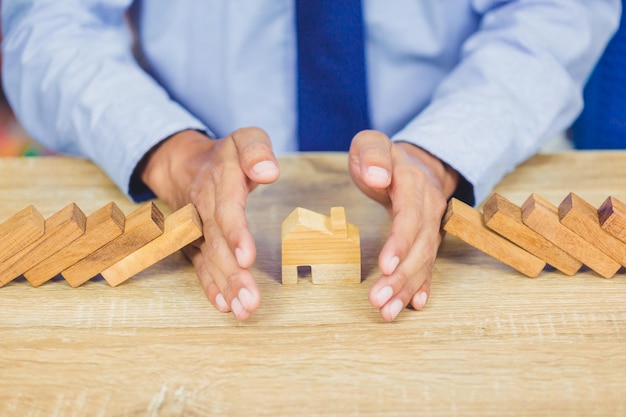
[216, 176]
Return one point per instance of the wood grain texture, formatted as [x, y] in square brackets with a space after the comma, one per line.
[102, 226]
[582, 218]
[505, 218]
[612, 216]
[20, 230]
[543, 217]
[61, 229]
[488, 343]
[468, 225]
[328, 244]
[141, 226]
[181, 228]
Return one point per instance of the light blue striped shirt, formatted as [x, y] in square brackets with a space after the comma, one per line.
[479, 83]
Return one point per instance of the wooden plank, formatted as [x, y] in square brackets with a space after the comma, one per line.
[543, 217]
[142, 225]
[20, 230]
[181, 228]
[467, 224]
[612, 215]
[582, 218]
[61, 229]
[504, 217]
[104, 225]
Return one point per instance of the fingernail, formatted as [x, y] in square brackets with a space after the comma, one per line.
[422, 297]
[245, 298]
[392, 264]
[239, 256]
[221, 303]
[383, 295]
[264, 167]
[236, 306]
[395, 308]
[378, 173]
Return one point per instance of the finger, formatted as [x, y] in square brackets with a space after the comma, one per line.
[231, 219]
[420, 298]
[247, 297]
[410, 281]
[210, 288]
[373, 151]
[255, 155]
[229, 248]
[236, 285]
[407, 258]
[405, 228]
[408, 209]
[229, 202]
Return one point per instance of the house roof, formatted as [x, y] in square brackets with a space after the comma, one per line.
[303, 220]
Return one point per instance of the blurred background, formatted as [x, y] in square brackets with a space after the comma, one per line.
[13, 139]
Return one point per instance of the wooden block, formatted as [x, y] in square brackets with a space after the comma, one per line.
[20, 230]
[467, 224]
[612, 215]
[61, 229]
[543, 217]
[329, 245]
[504, 217]
[104, 225]
[582, 218]
[181, 228]
[142, 225]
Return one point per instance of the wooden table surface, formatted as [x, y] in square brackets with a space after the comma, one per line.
[490, 342]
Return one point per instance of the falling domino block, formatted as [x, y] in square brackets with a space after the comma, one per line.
[467, 224]
[181, 228]
[103, 225]
[582, 218]
[543, 217]
[20, 230]
[61, 228]
[142, 226]
[612, 215]
[504, 217]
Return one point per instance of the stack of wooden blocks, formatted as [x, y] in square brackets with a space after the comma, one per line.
[538, 233]
[78, 247]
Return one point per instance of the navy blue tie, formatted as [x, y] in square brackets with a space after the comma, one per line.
[332, 89]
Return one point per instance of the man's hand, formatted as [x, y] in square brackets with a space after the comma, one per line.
[414, 186]
[216, 176]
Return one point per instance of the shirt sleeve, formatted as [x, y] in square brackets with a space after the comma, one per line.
[518, 83]
[70, 75]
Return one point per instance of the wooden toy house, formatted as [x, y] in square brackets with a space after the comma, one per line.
[329, 245]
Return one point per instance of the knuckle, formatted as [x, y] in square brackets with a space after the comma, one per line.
[221, 213]
[404, 243]
[401, 278]
[250, 131]
[212, 247]
[252, 152]
[439, 202]
[376, 153]
[210, 288]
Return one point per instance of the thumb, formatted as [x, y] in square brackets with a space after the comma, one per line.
[255, 155]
